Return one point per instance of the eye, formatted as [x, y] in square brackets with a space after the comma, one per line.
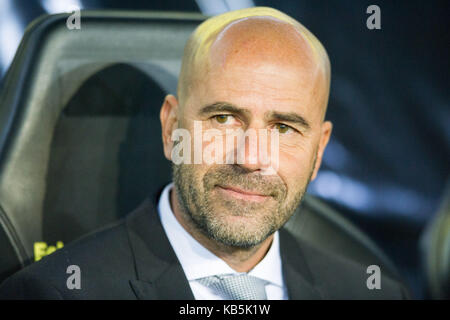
[283, 128]
[223, 118]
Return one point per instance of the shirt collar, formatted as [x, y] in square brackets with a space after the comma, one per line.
[198, 262]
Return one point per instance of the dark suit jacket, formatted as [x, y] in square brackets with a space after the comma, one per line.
[133, 259]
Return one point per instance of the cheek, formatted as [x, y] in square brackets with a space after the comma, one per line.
[195, 179]
[295, 157]
[295, 166]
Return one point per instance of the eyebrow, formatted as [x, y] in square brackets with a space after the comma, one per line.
[291, 117]
[224, 107]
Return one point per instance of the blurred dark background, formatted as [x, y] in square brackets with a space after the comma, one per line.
[387, 163]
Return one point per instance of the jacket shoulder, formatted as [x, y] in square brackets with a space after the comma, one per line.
[100, 256]
[338, 277]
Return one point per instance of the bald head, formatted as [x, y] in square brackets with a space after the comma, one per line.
[257, 41]
[254, 38]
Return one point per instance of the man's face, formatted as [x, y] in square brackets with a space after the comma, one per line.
[237, 204]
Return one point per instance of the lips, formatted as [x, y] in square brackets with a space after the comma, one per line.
[239, 193]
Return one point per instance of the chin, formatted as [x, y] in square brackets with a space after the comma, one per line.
[239, 230]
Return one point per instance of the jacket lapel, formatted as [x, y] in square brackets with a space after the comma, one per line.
[158, 271]
[159, 274]
[297, 275]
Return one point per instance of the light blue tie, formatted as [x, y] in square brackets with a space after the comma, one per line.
[237, 286]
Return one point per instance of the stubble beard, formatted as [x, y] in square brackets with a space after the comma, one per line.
[232, 222]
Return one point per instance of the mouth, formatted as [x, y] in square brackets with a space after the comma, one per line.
[247, 195]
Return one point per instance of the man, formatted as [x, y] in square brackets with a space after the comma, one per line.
[216, 232]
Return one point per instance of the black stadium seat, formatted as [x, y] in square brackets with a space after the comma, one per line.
[435, 251]
[80, 142]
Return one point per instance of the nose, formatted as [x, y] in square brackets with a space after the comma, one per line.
[255, 149]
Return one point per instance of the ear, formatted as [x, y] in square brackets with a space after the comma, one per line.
[326, 129]
[169, 122]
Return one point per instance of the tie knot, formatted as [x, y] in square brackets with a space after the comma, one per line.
[237, 286]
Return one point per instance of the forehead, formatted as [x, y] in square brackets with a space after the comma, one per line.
[261, 89]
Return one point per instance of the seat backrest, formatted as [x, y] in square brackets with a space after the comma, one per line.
[80, 139]
[435, 251]
[46, 129]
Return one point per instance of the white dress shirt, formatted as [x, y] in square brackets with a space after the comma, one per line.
[198, 262]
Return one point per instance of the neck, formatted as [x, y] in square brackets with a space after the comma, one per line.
[239, 259]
